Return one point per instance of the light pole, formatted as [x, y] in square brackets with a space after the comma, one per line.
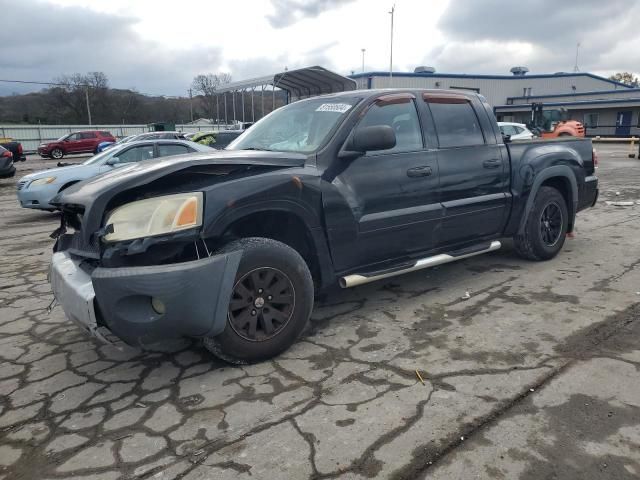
[393, 9]
[86, 97]
[363, 50]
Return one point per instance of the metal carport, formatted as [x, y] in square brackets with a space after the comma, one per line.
[300, 83]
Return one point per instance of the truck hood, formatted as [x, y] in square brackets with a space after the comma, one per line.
[93, 195]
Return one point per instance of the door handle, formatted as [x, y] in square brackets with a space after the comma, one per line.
[493, 163]
[423, 171]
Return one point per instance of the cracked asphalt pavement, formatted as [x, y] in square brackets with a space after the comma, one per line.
[536, 375]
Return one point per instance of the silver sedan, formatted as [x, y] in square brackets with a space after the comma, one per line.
[37, 189]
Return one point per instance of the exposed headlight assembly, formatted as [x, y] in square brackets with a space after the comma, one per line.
[42, 181]
[155, 216]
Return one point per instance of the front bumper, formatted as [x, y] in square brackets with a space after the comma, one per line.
[195, 297]
[38, 197]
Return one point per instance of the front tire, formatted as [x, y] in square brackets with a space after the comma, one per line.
[545, 227]
[270, 305]
[57, 153]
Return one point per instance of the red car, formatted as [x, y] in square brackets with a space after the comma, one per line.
[76, 142]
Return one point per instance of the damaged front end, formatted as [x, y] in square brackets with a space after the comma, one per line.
[130, 257]
[146, 303]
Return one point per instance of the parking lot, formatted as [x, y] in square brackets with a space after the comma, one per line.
[492, 367]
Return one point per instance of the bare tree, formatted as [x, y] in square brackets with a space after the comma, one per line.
[72, 91]
[626, 78]
[207, 86]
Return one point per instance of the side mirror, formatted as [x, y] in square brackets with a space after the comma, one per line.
[506, 138]
[369, 139]
[112, 161]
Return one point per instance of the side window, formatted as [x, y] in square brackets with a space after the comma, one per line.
[74, 137]
[403, 118]
[456, 123]
[86, 135]
[518, 130]
[167, 150]
[508, 130]
[591, 120]
[224, 139]
[136, 154]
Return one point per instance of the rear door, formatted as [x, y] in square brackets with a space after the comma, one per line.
[393, 193]
[473, 166]
[87, 141]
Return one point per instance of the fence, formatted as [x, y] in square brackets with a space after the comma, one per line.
[33, 135]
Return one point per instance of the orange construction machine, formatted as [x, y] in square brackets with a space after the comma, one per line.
[553, 123]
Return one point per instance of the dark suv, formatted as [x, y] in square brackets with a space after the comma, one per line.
[76, 142]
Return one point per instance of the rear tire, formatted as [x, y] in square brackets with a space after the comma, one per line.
[57, 153]
[545, 227]
[270, 305]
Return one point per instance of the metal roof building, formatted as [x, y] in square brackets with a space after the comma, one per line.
[605, 106]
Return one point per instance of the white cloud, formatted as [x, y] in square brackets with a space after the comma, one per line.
[158, 48]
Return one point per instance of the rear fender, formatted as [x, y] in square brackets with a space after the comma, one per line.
[556, 171]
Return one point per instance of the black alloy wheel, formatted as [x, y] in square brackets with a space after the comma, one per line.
[545, 226]
[270, 303]
[551, 224]
[262, 303]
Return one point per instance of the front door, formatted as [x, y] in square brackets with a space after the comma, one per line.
[73, 143]
[623, 123]
[393, 194]
[474, 172]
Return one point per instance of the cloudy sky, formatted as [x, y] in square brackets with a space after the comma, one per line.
[157, 47]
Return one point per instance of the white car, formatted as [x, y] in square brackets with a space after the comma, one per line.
[517, 131]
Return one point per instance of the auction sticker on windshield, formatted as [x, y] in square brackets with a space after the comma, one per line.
[334, 107]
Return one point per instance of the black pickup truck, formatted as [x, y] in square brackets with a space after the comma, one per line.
[346, 189]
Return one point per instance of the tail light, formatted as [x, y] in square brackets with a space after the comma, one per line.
[19, 149]
[7, 154]
[594, 158]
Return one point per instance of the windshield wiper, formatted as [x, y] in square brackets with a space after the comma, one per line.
[258, 149]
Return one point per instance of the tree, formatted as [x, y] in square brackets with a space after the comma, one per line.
[626, 78]
[70, 95]
[207, 86]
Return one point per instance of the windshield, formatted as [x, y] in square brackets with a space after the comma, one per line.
[126, 139]
[100, 156]
[300, 127]
[63, 137]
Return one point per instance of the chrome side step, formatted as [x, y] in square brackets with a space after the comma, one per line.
[356, 279]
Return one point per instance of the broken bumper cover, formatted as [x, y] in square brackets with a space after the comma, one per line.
[191, 298]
